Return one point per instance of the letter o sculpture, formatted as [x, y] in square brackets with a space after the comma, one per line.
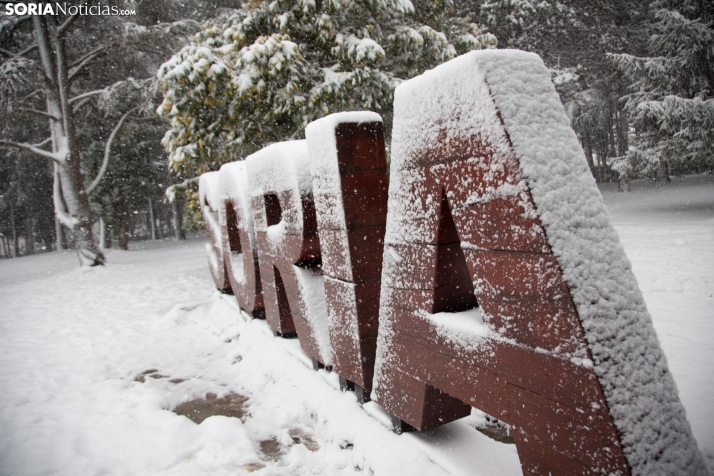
[238, 238]
[210, 203]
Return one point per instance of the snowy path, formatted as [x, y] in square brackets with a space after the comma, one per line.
[72, 343]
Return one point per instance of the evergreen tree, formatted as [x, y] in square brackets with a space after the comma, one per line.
[671, 103]
[573, 37]
[262, 74]
[552, 27]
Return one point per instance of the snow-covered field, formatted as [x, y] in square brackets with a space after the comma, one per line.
[76, 345]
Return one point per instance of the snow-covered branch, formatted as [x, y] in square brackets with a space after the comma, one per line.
[107, 153]
[7, 52]
[43, 143]
[81, 104]
[67, 23]
[83, 61]
[57, 157]
[28, 96]
[86, 95]
[41, 113]
[171, 191]
[29, 49]
[21, 53]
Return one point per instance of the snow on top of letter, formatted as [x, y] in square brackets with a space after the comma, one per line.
[208, 194]
[323, 146]
[233, 185]
[209, 201]
[280, 167]
[208, 189]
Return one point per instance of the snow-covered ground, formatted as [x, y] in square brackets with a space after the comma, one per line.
[76, 345]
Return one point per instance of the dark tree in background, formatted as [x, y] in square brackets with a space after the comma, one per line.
[80, 93]
[671, 93]
[635, 76]
[574, 38]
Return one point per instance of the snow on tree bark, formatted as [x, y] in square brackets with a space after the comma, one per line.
[64, 142]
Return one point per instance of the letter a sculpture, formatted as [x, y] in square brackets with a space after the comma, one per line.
[490, 193]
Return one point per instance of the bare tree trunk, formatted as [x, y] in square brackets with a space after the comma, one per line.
[105, 235]
[122, 230]
[622, 137]
[60, 236]
[108, 233]
[68, 167]
[588, 152]
[15, 244]
[178, 220]
[102, 230]
[159, 222]
[152, 224]
[622, 125]
[165, 223]
[29, 237]
[664, 169]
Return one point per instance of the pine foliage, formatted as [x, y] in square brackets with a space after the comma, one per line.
[671, 103]
[534, 25]
[573, 38]
[262, 74]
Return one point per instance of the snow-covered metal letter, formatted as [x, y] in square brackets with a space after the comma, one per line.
[239, 247]
[350, 180]
[505, 287]
[209, 197]
[288, 245]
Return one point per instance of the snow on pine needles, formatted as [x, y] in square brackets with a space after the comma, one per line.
[93, 360]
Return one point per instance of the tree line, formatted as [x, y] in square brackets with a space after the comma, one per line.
[79, 137]
[83, 153]
[636, 77]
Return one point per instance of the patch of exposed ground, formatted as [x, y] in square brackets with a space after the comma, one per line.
[497, 432]
[301, 437]
[146, 373]
[154, 373]
[273, 450]
[198, 409]
[251, 467]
